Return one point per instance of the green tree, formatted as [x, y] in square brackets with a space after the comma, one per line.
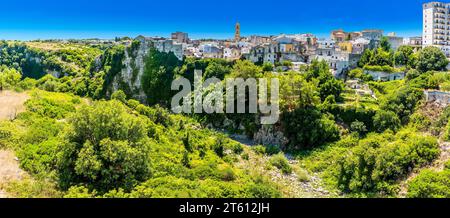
[358, 127]
[384, 120]
[318, 69]
[431, 58]
[9, 77]
[246, 69]
[328, 85]
[365, 58]
[402, 55]
[382, 57]
[384, 44]
[332, 87]
[105, 148]
[430, 184]
[158, 75]
[267, 67]
[413, 58]
[120, 96]
[217, 69]
[308, 128]
[296, 92]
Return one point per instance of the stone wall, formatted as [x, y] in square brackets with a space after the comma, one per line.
[440, 97]
[385, 76]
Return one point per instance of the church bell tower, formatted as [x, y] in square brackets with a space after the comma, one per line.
[237, 34]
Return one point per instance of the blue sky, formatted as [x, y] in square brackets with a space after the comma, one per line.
[31, 19]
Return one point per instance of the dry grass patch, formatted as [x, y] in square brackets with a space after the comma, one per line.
[11, 104]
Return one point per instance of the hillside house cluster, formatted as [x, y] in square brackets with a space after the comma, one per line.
[342, 50]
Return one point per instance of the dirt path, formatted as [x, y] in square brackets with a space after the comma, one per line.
[299, 184]
[9, 170]
[11, 103]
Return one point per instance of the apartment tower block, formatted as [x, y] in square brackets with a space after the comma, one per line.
[436, 26]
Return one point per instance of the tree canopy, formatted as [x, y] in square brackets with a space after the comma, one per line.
[431, 58]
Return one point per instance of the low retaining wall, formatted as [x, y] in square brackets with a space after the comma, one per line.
[385, 76]
[440, 97]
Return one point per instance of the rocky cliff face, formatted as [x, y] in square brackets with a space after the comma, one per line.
[269, 135]
[129, 79]
[133, 65]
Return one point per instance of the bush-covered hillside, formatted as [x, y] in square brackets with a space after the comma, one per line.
[114, 149]
[102, 128]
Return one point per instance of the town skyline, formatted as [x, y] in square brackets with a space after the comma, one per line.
[98, 20]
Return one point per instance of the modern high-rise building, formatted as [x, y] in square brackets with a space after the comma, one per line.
[436, 26]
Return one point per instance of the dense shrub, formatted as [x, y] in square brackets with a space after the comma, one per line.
[49, 107]
[384, 68]
[430, 184]
[358, 73]
[384, 120]
[120, 96]
[259, 149]
[431, 58]
[158, 74]
[378, 161]
[351, 113]
[403, 102]
[106, 148]
[358, 127]
[27, 84]
[39, 159]
[9, 78]
[182, 188]
[306, 128]
[279, 161]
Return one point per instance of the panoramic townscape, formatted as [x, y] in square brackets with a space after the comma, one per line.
[361, 114]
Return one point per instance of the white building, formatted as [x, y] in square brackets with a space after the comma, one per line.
[211, 50]
[372, 34]
[436, 28]
[246, 50]
[231, 53]
[325, 43]
[163, 45]
[337, 61]
[395, 41]
[296, 66]
[359, 45]
[265, 53]
[415, 42]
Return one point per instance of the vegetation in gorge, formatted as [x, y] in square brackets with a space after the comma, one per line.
[158, 76]
[430, 184]
[83, 134]
[107, 148]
